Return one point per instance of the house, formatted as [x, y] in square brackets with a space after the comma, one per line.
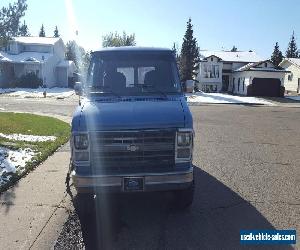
[44, 56]
[216, 67]
[292, 80]
[258, 79]
[237, 71]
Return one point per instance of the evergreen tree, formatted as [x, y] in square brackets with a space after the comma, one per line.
[175, 51]
[174, 48]
[86, 59]
[77, 54]
[10, 20]
[276, 57]
[56, 34]
[23, 30]
[116, 40]
[189, 55]
[292, 51]
[42, 31]
[234, 49]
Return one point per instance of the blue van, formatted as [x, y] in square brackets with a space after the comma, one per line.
[133, 130]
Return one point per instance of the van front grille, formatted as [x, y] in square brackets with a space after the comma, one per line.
[133, 151]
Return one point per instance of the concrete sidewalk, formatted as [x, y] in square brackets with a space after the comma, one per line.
[35, 209]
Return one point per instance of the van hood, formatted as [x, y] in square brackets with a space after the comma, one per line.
[130, 114]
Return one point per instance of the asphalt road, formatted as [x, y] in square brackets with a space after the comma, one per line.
[47, 106]
[247, 171]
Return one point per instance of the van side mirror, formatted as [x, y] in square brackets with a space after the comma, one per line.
[182, 86]
[78, 88]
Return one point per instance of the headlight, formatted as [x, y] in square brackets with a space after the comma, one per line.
[184, 146]
[81, 141]
[81, 156]
[184, 139]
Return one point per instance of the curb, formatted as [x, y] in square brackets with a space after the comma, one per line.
[243, 104]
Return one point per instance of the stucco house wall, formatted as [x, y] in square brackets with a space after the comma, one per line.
[210, 74]
[48, 71]
[292, 79]
[240, 77]
[59, 50]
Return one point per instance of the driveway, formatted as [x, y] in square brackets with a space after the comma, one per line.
[247, 175]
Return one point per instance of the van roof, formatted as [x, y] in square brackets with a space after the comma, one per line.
[133, 49]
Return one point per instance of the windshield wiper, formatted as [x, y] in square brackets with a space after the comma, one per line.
[102, 90]
[154, 88]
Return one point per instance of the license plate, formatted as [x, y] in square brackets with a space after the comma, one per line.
[133, 183]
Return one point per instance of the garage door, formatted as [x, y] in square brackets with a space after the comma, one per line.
[266, 87]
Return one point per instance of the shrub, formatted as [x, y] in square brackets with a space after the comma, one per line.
[29, 80]
[196, 86]
[282, 90]
[250, 90]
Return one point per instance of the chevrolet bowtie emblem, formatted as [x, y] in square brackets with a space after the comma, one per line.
[132, 148]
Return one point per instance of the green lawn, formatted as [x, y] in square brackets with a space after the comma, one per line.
[17, 123]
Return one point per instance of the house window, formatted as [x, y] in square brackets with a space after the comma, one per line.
[266, 65]
[215, 71]
[211, 59]
[238, 84]
[205, 69]
[211, 71]
[243, 84]
[209, 88]
[290, 77]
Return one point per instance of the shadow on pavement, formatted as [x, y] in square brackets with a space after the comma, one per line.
[7, 198]
[147, 221]
[281, 99]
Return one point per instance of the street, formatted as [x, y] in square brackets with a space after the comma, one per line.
[247, 174]
[247, 177]
[49, 106]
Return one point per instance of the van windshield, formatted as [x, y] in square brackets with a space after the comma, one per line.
[133, 74]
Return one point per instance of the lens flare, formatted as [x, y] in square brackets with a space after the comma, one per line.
[103, 205]
[74, 33]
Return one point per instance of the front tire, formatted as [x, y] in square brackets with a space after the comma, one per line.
[84, 204]
[184, 198]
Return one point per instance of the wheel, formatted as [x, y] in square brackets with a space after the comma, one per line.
[84, 204]
[184, 198]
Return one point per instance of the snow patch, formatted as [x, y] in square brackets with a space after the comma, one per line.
[12, 161]
[230, 56]
[38, 93]
[28, 138]
[201, 97]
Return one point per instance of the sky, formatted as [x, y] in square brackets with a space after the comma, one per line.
[217, 24]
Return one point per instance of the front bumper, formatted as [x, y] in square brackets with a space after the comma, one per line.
[152, 181]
